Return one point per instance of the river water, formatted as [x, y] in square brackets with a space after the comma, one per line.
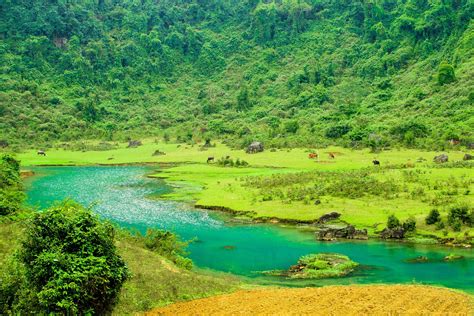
[124, 195]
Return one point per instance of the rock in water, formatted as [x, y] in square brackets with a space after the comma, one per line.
[332, 232]
[452, 257]
[419, 259]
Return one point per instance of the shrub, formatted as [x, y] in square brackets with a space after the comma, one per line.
[433, 217]
[71, 263]
[456, 225]
[229, 162]
[11, 194]
[337, 131]
[169, 246]
[393, 222]
[291, 126]
[461, 213]
[440, 225]
[445, 73]
[410, 224]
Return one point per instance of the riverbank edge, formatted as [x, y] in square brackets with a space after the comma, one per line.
[417, 238]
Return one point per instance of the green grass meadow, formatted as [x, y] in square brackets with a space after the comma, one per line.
[421, 185]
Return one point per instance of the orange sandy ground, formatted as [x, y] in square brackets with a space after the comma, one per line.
[330, 300]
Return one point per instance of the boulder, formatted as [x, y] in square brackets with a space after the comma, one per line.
[452, 257]
[328, 217]
[393, 233]
[254, 147]
[329, 233]
[441, 158]
[158, 153]
[419, 259]
[468, 157]
[134, 143]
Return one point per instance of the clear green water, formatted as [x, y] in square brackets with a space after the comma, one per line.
[121, 194]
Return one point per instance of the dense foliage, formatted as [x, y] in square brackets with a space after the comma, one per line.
[168, 245]
[70, 264]
[287, 72]
[11, 194]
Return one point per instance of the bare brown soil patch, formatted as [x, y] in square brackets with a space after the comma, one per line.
[331, 300]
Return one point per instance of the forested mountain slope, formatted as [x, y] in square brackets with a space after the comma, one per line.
[288, 72]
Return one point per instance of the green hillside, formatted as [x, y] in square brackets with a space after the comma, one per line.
[288, 72]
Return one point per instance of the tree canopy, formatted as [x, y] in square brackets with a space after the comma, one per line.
[74, 69]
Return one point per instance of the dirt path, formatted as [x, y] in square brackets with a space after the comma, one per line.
[331, 300]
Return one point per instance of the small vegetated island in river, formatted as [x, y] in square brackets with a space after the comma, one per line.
[318, 266]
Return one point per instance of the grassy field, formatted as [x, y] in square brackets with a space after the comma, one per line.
[285, 184]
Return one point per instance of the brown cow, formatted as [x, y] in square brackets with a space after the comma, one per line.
[332, 156]
[313, 155]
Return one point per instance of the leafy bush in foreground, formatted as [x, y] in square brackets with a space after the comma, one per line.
[71, 263]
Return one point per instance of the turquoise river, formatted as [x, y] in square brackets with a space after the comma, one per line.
[124, 195]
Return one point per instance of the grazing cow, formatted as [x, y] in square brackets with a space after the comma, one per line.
[313, 155]
[41, 153]
[210, 159]
[376, 162]
[332, 156]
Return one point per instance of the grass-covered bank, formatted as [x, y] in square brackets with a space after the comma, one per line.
[286, 185]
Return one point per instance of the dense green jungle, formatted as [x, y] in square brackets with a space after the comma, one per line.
[276, 157]
[288, 72]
